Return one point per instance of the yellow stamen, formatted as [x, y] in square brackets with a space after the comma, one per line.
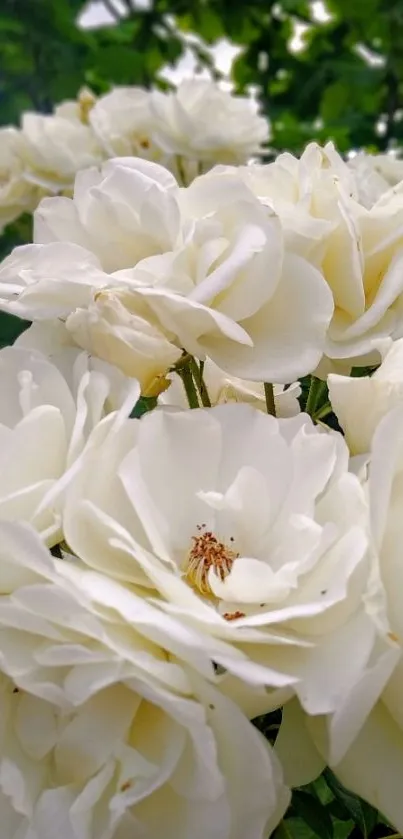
[233, 616]
[207, 552]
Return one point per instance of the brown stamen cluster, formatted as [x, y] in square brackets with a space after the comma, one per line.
[233, 616]
[207, 552]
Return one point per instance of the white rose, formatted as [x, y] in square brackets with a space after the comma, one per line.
[360, 403]
[358, 251]
[77, 110]
[375, 174]
[43, 282]
[374, 264]
[64, 281]
[249, 530]
[373, 766]
[202, 122]
[104, 727]
[225, 293]
[16, 195]
[219, 283]
[52, 340]
[44, 422]
[122, 213]
[56, 148]
[124, 338]
[303, 192]
[123, 123]
[223, 388]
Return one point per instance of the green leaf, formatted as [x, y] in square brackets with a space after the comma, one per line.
[320, 789]
[10, 328]
[363, 815]
[294, 828]
[310, 809]
[342, 829]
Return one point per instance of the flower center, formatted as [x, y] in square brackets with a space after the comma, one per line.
[207, 552]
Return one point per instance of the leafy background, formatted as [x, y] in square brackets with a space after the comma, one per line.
[344, 83]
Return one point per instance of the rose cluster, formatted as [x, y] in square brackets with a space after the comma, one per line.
[187, 130]
[201, 491]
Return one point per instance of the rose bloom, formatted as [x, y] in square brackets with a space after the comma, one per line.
[238, 525]
[56, 148]
[77, 110]
[17, 196]
[103, 727]
[50, 408]
[358, 250]
[122, 213]
[360, 402]
[202, 122]
[379, 781]
[224, 293]
[123, 123]
[144, 355]
[304, 192]
[375, 174]
[223, 388]
[207, 268]
[72, 293]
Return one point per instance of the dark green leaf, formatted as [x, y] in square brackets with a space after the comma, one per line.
[362, 814]
[10, 328]
[312, 812]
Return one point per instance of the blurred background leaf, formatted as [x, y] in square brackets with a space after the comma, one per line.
[320, 70]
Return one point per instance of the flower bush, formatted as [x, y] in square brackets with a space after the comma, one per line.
[201, 477]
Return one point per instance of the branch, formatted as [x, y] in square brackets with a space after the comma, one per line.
[112, 10]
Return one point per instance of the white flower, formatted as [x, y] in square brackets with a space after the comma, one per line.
[380, 780]
[16, 195]
[123, 123]
[248, 529]
[360, 403]
[303, 192]
[226, 293]
[122, 213]
[77, 110]
[207, 267]
[104, 728]
[56, 148]
[375, 174]
[46, 414]
[223, 388]
[110, 331]
[358, 251]
[44, 282]
[202, 122]
[66, 282]
[52, 340]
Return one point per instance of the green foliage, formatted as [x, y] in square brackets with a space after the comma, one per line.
[325, 90]
[324, 809]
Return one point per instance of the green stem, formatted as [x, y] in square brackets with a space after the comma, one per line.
[182, 361]
[322, 412]
[197, 373]
[181, 171]
[186, 375]
[316, 389]
[269, 396]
